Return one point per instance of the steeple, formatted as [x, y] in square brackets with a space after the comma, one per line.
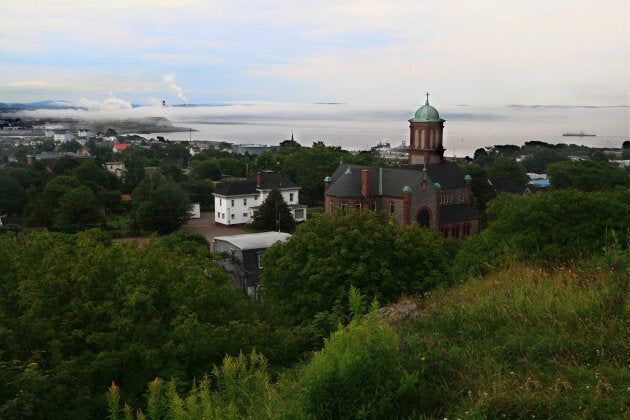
[425, 137]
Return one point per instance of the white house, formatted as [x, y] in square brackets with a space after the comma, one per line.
[87, 133]
[117, 168]
[63, 135]
[235, 204]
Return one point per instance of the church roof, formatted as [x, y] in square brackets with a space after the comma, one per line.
[347, 179]
[427, 113]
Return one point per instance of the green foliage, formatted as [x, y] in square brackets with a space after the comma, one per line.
[274, 214]
[546, 228]
[509, 169]
[65, 165]
[78, 312]
[160, 204]
[205, 169]
[78, 206]
[13, 198]
[359, 374]
[586, 175]
[329, 253]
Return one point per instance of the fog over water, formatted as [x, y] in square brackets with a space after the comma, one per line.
[359, 127]
[352, 127]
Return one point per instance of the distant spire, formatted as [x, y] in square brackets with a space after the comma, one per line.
[427, 102]
[292, 135]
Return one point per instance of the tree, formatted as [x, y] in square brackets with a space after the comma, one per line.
[160, 204]
[274, 214]
[65, 165]
[94, 175]
[78, 206]
[586, 175]
[313, 271]
[43, 210]
[13, 198]
[549, 228]
[206, 169]
[69, 146]
[509, 169]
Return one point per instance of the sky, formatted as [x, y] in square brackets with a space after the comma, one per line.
[110, 54]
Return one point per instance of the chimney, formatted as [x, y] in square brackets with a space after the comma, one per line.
[259, 179]
[406, 206]
[327, 182]
[365, 183]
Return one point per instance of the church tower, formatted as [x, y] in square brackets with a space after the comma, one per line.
[425, 138]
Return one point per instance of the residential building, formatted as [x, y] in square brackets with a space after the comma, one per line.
[242, 257]
[428, 190]
[236, 203]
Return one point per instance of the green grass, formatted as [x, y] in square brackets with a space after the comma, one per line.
[519, 343]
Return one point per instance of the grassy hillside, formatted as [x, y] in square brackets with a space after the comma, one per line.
[520, 343]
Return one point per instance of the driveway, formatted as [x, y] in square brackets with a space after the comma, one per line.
[205, 226]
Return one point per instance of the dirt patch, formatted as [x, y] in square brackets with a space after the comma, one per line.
[205, 226]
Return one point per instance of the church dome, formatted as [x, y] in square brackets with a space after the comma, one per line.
[427, 113]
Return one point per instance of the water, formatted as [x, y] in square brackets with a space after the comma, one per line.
[353, 127]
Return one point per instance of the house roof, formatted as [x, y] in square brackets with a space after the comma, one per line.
[270, 180]
[121, 146]
[254, 240]
[460, 212]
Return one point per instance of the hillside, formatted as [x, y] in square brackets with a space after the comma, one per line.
[520, 343]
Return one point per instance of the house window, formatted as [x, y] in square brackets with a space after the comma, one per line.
[357, 206]
[244, 201]
[232, 203]
[291, 197]
[259, 257]
[344, 208]
[299, 214]
[331, 205]
[220, 201]
[232, 216]
[244, 214]
[463, 195]
[374, 205]
[392, 207]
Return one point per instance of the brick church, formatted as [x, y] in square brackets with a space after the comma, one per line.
[428, 190]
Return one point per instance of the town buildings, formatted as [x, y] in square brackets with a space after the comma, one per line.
[428, 190]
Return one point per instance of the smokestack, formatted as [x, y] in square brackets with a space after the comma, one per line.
[259, 179]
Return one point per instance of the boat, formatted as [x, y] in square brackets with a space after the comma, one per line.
[580, 134]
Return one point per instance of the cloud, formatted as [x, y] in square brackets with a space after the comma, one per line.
[169, 79]
[110, 104]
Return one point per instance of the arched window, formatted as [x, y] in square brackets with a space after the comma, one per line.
[424, 218]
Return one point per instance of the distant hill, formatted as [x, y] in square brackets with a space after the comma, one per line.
[51, 104]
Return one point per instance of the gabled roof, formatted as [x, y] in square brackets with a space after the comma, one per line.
[347, 179]
[270, 180]
[238, 188]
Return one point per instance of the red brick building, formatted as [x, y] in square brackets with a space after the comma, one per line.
[428, 190]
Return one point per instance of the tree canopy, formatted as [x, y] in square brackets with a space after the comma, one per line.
[586, 175]
[160, 204]
[274, 214]
[313, 271]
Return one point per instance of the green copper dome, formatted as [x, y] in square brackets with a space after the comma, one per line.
[427, 113]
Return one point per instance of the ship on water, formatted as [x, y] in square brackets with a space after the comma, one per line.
[580, 134]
